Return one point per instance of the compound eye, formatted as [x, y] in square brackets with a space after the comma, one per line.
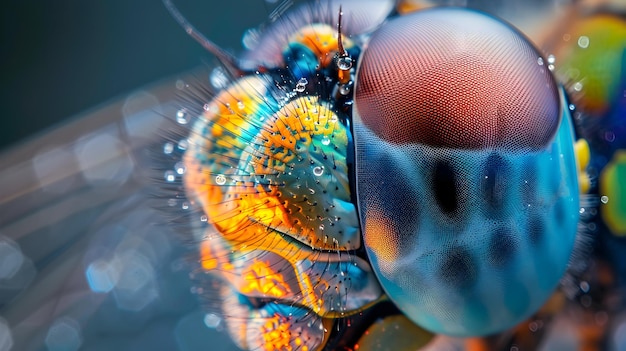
[454, 78]
[465, 171]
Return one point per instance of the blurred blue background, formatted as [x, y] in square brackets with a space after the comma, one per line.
[61, 58]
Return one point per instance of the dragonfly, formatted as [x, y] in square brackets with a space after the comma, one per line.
[317, 211]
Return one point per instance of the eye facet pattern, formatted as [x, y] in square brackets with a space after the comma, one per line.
[455, 78]
[465, 104]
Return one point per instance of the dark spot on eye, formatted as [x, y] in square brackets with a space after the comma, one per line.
[502, 246]
[493, 186]
[560, 212]
[555, 175]
[400, 202]
[458, 269]
[536, 230]
[445, 187]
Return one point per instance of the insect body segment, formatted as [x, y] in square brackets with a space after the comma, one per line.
[283, 171]
[267, 164]
[272, 327]
[314, 47]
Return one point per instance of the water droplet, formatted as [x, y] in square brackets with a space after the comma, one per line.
[540, 61]
[609, 136]
[218, 78]
[344, 63]
[220, 179]
[182, 117]
[578, 86]
[604, 199]
[300, 88]
[583, 41]
[64, 334]
[6, 339]
[551, 59]
[183, 144]
[12, 259]
[311, 191]
[572, 107]
[212, 320]
[326, 141]
[250, 38]
[206, 107]
[584, 286]
[301, 85]
[204, 218]
[344, 89]
[169, 176]
[185, 206]
[168, 148]
[318, 171]
[180, 167]
[240, 105]
[180, 84]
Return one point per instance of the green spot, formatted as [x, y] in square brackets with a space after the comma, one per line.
[612, 186]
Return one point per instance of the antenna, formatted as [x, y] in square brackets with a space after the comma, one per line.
[344, 61]
[226, 58]
[342, 51]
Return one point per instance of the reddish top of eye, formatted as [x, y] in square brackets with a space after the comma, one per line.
[456, 78]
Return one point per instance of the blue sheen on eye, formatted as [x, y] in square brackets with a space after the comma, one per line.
[477, 272]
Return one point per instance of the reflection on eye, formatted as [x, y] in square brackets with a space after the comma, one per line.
[440, 192]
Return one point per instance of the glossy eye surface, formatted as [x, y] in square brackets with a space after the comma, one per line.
[466, 181]
[455, 78]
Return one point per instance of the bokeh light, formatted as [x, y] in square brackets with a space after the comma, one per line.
[6, 340]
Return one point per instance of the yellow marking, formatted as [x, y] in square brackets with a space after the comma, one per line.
[344, 76]
[262, 278]
[581, 149]
[321, 39]
[308, 294]
[613, 192]
[382, 243]
[407, 6]
[276, 334]
[243, 212]
[396, 330]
